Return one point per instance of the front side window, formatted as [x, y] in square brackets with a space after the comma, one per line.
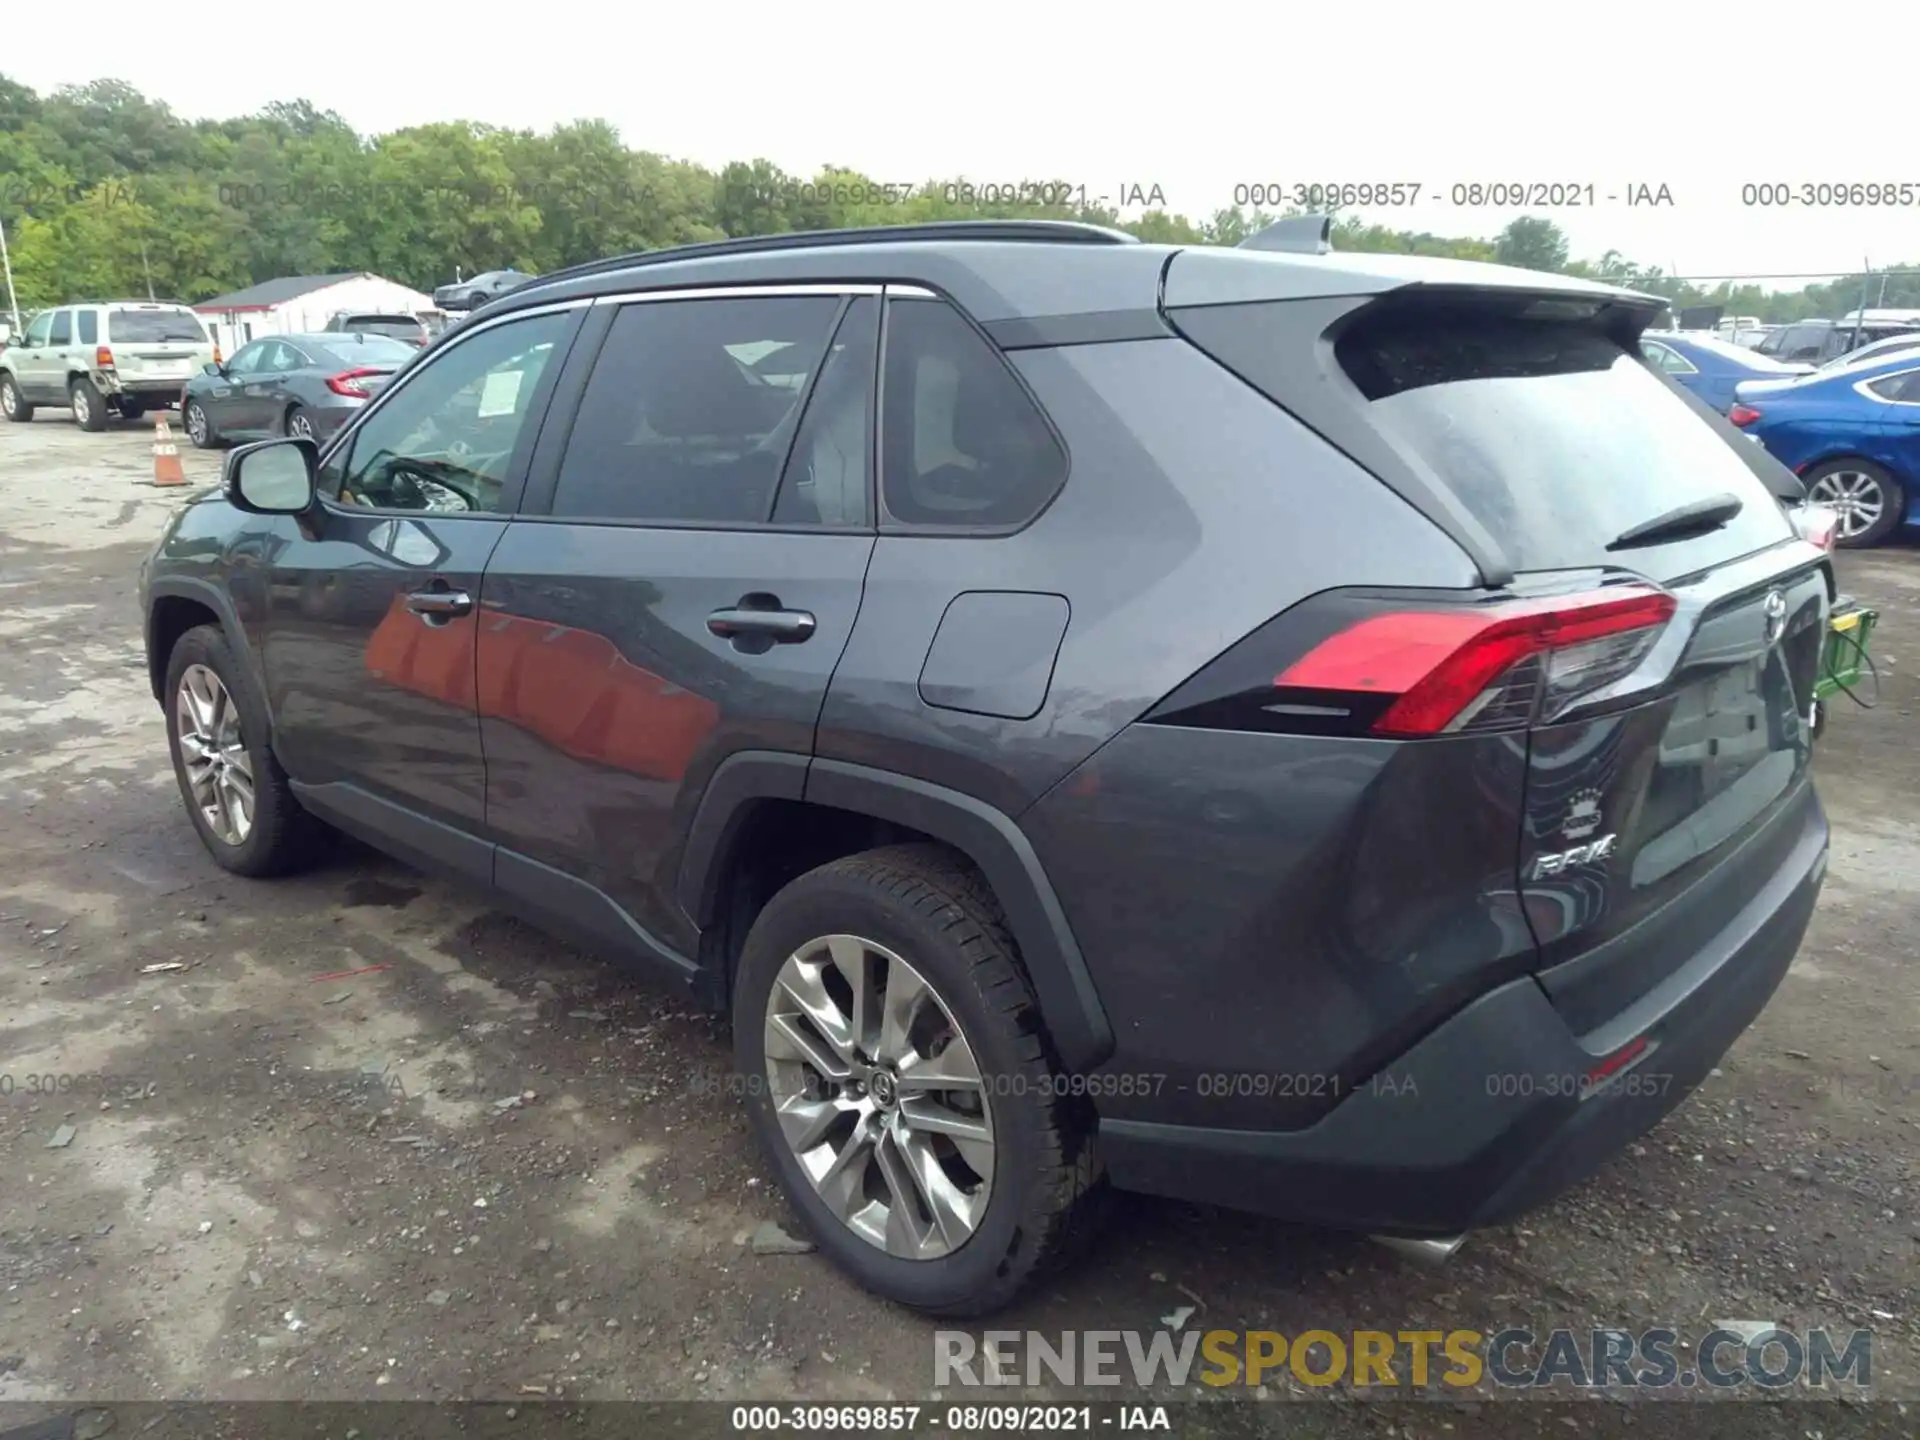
[445, 441]
[962, 444]
[39, 330]
[250, 359]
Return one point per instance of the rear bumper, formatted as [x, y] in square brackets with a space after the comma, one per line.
[1490, 1115]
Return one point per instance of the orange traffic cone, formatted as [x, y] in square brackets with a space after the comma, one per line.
[167, 469]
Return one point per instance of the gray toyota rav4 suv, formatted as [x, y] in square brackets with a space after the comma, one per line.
[1324, 734]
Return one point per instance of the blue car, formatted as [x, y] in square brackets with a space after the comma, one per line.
[1852, 435]
[1711, 367]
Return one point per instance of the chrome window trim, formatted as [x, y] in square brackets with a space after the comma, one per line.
[739, 291]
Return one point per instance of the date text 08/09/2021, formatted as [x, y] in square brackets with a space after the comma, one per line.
[1010, 1419]
[1465, 194]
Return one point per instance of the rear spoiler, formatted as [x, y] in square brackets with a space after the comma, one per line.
[1297, 234]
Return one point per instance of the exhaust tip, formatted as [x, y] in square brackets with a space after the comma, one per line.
[1427, 1252]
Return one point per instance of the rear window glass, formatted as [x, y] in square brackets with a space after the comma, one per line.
[155, 327]
[1550, 434]
[399, 327]
[365, 350]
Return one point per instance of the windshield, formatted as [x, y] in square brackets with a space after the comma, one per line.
[155, 327]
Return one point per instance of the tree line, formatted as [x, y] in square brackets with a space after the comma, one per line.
[104, 192]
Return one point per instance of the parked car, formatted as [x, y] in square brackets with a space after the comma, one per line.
[1819, 341]
[472, 294]
[1873, 352]
[302, 385]
[395, 325]
[103, 358]
[1852, 435]
[1190, 749]
[1711, 367]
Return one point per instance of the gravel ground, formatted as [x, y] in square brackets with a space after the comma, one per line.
[480, 1165]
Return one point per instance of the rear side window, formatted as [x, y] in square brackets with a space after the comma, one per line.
[1549, 433]
[1902, 389]
[678, 424]
[155, 327]
[962, 444]
[62, 328]
[89, 327]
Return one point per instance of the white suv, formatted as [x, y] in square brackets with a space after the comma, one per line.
[101, 358]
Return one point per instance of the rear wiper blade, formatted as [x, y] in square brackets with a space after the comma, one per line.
[1692, 518]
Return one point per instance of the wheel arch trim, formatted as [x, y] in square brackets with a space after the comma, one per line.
[990, 839]
[203, 592]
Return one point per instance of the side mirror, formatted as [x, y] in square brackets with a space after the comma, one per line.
[273, 477]
[213, 367]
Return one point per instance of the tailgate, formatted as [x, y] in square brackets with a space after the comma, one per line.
[1649, 828]
[160, 343]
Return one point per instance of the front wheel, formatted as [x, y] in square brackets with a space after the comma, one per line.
[88, 404]
[12, 405]
[897, 1071]
[235, 791]
[1869, 501]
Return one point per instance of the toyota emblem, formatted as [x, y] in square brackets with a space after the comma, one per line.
[1776, 609]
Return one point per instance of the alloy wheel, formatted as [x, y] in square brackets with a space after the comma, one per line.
[214, 754]
[196, 425]
[879, 1096]
[82, 407]
[1858, 498]
[300, 427]
[9, 401]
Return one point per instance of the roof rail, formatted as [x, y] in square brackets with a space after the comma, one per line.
[1058, 231]
[1298, 234]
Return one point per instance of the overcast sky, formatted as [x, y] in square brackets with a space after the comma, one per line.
[1196, 99]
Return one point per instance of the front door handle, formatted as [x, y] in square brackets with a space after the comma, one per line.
[783, 627]
[440, 604]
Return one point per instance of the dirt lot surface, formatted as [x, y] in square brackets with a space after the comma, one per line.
[482, 1162]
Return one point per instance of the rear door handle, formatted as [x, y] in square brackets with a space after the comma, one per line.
[784, 627]
[440, 602]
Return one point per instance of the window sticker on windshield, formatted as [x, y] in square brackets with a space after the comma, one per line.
[498, 395]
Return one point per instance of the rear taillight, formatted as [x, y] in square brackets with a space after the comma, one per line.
[1742, 414]
[103, 358]
[348, 383]
[1488, 667]
[1817, 524]
[1407, 667]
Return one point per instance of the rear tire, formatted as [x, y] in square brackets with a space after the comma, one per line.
[12, 405]
[199, 427]
[920, 914]
[89, 406]
[299, 424]
[278, 835]
[1851, 486]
